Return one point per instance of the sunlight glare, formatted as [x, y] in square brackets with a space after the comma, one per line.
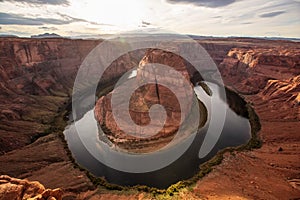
[123, 14]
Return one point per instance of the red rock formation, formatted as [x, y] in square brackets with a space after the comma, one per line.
[249, 69]
[284, 96]
[35, 66]
[289, 90]
[36, 79]
[13, 188]
[146, 96]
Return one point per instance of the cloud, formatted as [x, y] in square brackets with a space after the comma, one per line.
[70, 19]
[48, 28]
[205, 3]
[246, 23]
[271, 14]
[16, 19]
[146, 23]
[73, 19]
[40, 2]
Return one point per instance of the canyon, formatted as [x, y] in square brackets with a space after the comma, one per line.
[36, 80]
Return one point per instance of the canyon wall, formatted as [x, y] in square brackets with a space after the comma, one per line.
[37, 77]
[270, 73]
[261, 64]
[36, 80]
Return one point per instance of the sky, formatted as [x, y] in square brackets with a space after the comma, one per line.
[75, 18]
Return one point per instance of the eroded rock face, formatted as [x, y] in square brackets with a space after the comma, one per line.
[36, 81]
[18, 189]
[249, 69]
[272, 74]
[42, 66]
[282, 96]
[286, 89]
[146, 96]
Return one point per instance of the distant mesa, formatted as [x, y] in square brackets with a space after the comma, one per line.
[7, 35]
[47, 35]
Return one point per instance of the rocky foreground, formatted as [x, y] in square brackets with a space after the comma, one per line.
[36, 79]
[13, 188]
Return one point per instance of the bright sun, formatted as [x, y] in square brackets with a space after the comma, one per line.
[118, 13]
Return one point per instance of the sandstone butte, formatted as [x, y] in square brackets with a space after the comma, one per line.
[143, 98]
[36, 79]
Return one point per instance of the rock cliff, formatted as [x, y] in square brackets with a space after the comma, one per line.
[249, 69]
[36, 76]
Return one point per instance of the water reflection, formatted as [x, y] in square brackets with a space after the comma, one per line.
[236, 131]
